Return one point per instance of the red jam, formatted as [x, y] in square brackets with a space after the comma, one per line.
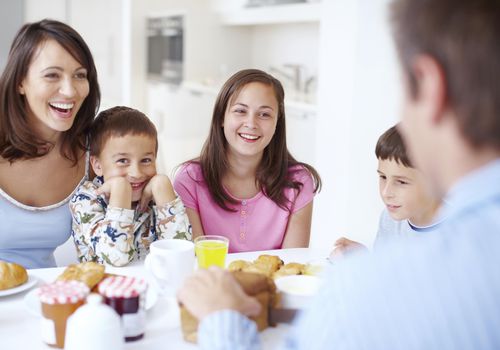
[127, 295]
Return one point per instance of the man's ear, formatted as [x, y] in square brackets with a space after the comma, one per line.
[96, 165]
[431, 87]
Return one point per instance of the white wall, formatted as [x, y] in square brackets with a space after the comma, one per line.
[11, 19]
[36, 10]
[358, 100]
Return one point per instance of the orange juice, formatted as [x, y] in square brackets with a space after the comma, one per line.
[211, 252]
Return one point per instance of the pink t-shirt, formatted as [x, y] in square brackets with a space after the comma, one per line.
[258, 223]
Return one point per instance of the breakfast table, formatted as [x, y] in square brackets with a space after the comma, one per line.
[20, 324]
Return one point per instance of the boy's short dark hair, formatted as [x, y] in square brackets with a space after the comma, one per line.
[390, 146]
[117, 122]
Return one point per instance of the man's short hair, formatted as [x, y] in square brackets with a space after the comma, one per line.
[463, 36]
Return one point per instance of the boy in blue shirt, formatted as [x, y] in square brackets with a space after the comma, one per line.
[410, 210]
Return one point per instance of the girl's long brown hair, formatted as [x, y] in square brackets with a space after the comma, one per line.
[17, 138]
[273, 173]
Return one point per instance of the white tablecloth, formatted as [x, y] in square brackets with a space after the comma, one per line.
[20, 329]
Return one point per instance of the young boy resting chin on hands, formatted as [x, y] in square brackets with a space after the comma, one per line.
[410, 211]
[128, 205]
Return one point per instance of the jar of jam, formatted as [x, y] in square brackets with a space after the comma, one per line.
[59, 300]
[127, 295]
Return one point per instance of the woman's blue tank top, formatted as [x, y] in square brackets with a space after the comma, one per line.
[29, 235]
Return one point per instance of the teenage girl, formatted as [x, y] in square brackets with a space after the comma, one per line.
[246, 185]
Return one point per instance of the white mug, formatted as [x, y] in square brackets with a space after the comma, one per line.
[170, 261]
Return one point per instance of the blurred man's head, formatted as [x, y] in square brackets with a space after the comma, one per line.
[449, 52]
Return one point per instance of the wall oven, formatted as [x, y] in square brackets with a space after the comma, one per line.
[165, 45]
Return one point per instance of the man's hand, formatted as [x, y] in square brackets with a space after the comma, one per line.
[344, 247]
[118, 192]
[159, 188]
[212, 290]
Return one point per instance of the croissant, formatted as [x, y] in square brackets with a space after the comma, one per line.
[12, 275]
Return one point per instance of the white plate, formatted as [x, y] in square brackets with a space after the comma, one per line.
[33, 305]
[32, 280]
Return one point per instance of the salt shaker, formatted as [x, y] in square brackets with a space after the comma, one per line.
[94, 326]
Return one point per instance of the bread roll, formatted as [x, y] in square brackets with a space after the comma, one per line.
[268, 265]
[273, 261]
[12, 275]
[238, 265]
[264, 264]
[290, 269]
[261, 268]
[89, 273]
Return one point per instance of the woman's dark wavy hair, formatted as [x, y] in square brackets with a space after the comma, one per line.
[273, 173]
[17, 139]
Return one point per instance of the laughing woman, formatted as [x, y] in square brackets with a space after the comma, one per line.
[48, 97]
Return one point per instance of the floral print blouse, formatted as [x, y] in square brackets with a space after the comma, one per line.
[117, 236]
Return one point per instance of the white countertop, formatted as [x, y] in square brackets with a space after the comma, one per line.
[20, 329]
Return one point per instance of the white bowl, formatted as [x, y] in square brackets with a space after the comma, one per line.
[297, 290]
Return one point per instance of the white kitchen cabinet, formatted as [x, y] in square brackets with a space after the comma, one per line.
[182, 116]
[163, 103]
[277, 14]
[106, 36]
[301, 133]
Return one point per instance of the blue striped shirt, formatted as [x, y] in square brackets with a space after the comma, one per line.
[441, 292]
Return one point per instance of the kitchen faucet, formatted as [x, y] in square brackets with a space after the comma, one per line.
[295, 77]
[308, 83]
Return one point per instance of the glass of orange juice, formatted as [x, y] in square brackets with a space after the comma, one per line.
[211, 250]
